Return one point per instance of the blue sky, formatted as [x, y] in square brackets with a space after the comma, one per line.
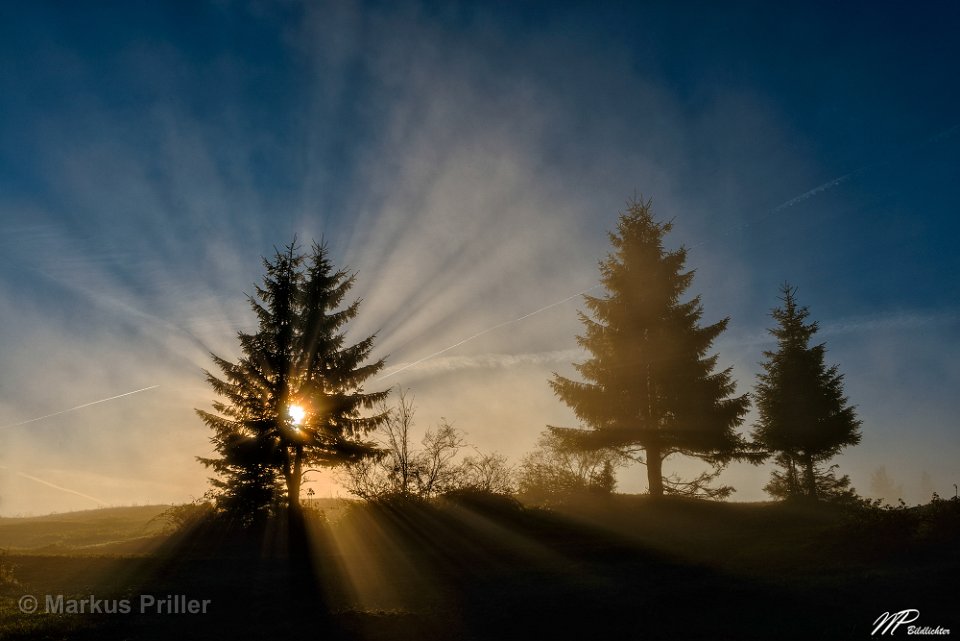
[467, 160]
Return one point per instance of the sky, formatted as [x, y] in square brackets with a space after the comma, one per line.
[467, 160]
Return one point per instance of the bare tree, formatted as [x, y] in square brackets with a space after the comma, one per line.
[489, 473]
[432, 469]
[400, 467]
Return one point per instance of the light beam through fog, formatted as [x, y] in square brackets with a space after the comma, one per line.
[487, 331]
[819, 189]
[461, 162]
[78, 407]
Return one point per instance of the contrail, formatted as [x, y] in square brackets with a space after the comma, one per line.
[78, 407]
[830, 184]
[54, 485]
[487, 331]
[943, 135]
[938, 137]
[819, 189]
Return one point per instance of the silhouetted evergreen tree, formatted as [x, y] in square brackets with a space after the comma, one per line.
[297, 357]
[805, 419]
[649, 382]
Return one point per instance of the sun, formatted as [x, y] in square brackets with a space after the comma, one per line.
[296, 413]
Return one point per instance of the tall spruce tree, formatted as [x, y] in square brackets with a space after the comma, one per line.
[650, 384]
[804, 417]
[294, 399]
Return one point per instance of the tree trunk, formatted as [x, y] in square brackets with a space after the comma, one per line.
[297, 539]
[809, 477]
[654, 471]
[293, 481]
[793, 483]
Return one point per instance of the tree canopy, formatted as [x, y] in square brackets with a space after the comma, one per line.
[649, 383]
[295, 397]
[804, 417]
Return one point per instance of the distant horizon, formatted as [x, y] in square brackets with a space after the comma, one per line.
[306, 501]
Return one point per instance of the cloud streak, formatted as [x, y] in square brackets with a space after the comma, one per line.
[890, 321]
[79, 407]
[489, 361]
[99, 502]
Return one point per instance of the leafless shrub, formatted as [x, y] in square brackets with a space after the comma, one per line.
[432, 469]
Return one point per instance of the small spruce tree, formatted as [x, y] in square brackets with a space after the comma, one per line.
[804, 417]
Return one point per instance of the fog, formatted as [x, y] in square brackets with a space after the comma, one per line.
[469, 177]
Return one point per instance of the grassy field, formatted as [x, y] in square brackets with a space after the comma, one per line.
[623, 567]
[108, 530]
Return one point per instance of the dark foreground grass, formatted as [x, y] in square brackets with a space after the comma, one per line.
[619, 568]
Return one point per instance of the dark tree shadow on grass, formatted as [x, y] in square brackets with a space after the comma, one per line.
[487, 568]
[258, 582]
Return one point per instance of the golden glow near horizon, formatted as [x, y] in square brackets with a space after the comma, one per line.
[296, 414]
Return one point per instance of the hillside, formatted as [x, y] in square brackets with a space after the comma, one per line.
[492, 569]
[127, 529]
[112, 530]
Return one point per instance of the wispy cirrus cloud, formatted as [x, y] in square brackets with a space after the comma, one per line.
[448, 364]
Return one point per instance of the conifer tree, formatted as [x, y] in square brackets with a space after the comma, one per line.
[650, 384]
[295, 397]
[804, 417]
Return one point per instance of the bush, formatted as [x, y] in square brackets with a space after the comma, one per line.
[487, 474]
[188, 515]
[554, 472]
[482, 500]
[939, 520]
[874, 528]
[7, 579]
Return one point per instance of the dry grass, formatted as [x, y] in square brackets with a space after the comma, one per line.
[619, 568]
